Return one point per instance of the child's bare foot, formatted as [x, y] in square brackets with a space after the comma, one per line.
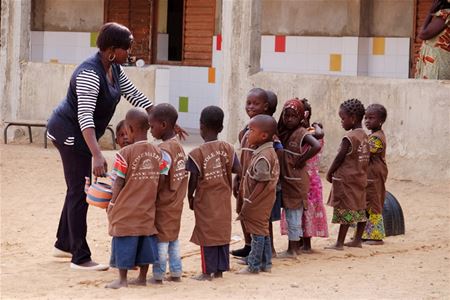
[287, 254]
[203, 277]
[307, 250]
[116, 284]
[218, 275]
[354, 243]
[155, 281]
[335, 247]
[138, 281]
[373, 242]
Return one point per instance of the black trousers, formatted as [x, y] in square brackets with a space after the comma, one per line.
[215, 258]
[71, 235]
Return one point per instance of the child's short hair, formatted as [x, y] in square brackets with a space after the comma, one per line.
[120, 125]
[137, 118]
[212, 117]
[266, 124]
[260, 93]
[379, 109]
[354, 107]
[165, 112]
[273, 102]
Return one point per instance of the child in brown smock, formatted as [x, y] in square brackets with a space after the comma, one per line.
[257, 103]
[259, 188]
[210, 186]
[376, 176]
[171, 193]
[348, 174]
[294, 174]
[131, 212]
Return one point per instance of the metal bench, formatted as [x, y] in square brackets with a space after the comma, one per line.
[37, 123]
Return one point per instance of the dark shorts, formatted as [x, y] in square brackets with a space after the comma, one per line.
[215, 258]
[276, 209]
[130, 251]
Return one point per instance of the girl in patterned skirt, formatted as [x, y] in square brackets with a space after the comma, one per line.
[376, 175]
[348, 174]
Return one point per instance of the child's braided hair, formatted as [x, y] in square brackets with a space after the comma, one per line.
[354, 107]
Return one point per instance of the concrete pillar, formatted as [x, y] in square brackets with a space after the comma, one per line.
[14, 49]
[241, 58]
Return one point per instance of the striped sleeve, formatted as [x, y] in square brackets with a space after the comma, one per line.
[131, 93]
[87, 89]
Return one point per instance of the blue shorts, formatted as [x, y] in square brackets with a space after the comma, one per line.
[130, 251]
[276, 209]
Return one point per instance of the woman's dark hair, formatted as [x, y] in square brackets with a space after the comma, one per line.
[443, 4]
[379, 109]
[114, 35]
[354, 107]
[212, 117]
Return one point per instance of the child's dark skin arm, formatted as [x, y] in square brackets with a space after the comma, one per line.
[193, 179]
[345, 146]
[236, 183]
[315, 148]
[118, 185]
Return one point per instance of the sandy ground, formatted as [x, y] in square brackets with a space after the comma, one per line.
[415, 265]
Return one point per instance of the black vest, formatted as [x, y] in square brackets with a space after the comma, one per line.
[63, 122]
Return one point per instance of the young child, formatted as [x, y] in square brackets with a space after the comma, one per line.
[131, 212]
[171, 193]
[376, 175]
[299, 146]
[259, 188]
[348, 174]
[314, 220]
[210, 186]
[257, 103]
[121, 134]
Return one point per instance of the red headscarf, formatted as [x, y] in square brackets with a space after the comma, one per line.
[297, 105]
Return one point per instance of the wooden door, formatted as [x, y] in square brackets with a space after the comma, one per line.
[137, 15]
[199, 22]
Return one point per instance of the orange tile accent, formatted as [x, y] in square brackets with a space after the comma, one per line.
[211, 75]
[335, 62]
[378, 46]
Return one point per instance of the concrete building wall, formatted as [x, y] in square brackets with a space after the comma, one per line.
[338, 18]
[57, 15]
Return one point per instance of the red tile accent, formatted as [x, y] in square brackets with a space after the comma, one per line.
[280, 43]
[219, 42]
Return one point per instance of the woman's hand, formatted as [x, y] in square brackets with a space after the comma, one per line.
[182, 134]
[99, 166]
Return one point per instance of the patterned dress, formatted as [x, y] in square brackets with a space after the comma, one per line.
[314, 220]
[434, 55]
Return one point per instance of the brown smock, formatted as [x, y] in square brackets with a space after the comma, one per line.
[377, 172]
[212, 199]
[348, 190]
[133, 213]
[256, 211]
[169, 202]
[294, 181]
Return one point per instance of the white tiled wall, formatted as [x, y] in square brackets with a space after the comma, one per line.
[312, 55]
[62, 47]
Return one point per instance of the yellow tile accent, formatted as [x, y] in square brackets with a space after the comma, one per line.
[93, 39]
[53, 61]
[211, 75]
[335, 62]
[378, 46]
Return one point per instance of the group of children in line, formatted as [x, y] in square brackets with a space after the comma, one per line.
[278, 167]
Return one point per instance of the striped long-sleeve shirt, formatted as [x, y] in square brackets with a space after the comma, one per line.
[87, 89]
